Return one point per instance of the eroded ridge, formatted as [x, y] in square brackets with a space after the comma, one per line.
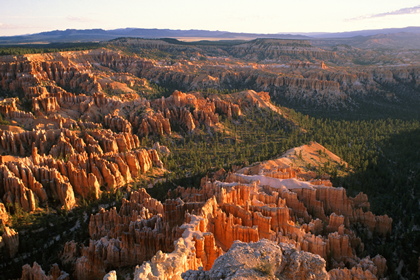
[275, 204]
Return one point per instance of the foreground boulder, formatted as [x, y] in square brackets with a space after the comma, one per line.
[263, 260]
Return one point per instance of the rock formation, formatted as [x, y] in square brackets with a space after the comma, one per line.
[124, 238]
[4, 216]
[10, 238]
[263, 260]
[292, 69]
[262, 203]
[78, 140]
[112, 275]
[36, 273]
[73, 165]
[80, 125]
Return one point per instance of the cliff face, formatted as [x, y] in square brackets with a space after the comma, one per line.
[36, 273]
[77, 143]
[10, 241]
[61, 147]
[310, 220]
[249, 207]
[64, 163]
[128, 237]
[293, 70]
[263, 260]
[69, 138]
[266, 50]
[75, 90]
[315, 86]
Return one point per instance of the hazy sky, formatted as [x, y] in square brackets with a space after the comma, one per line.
[251, 16]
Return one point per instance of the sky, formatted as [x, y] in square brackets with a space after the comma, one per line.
[18, 17]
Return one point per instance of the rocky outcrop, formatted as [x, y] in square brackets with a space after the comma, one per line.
[9, 109]
[189, 111]
[48, 82]
[309, 219]
[285, 68]
[4, 216]
[124, 238]
[117, 123]
[275, 50]
[65, 163]
[35, 272]
[261, 204]
[84, 136]
[112, 275]
[10, 238]
[368, 268]
[78, 84]
[14, 191]
[45, 103]
[254, 204]
[263, 260]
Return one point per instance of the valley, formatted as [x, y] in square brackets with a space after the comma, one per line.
[150, 157]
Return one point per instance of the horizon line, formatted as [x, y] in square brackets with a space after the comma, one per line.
[223, 31]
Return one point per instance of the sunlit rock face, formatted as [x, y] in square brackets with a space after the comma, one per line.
[80, 130]
[274, 204]
[76, 137]
[289, 69]
[64, 163]
[35, 272]
[263, 260]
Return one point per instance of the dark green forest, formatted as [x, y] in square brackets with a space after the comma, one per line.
[45, 48]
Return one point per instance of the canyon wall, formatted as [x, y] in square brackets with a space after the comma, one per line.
[312, 222]
[76, 125]
[294, 70]
[70, 139]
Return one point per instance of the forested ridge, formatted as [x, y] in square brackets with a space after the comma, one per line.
[45, 48]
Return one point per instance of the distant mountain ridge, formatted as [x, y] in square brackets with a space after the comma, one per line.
[370, 32]
[88, 35]
[394, 38]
